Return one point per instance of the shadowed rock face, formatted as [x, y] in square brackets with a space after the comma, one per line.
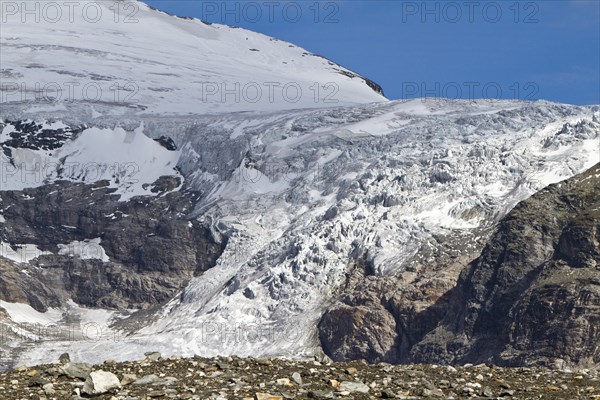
[531, 298]
[359, 342]
[153, 250]
[379, 319]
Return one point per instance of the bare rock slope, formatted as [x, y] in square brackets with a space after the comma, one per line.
[531, 298]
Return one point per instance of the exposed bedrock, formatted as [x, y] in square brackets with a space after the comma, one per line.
[99, 251]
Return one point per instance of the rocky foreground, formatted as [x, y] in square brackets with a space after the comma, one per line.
[237, 378]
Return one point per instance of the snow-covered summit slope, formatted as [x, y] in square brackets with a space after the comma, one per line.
[302, 196]
[128, 54]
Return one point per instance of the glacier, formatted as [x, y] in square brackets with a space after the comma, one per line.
[302, 195]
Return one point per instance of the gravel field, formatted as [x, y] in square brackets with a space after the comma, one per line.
[272, 379]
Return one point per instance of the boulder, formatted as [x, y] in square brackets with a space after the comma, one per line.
[99, 382]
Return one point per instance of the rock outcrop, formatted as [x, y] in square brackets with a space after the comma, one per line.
[88, 246]
[533, 296]
[99, 382]
[379, 319]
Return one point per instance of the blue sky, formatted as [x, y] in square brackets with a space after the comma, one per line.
[458, 49]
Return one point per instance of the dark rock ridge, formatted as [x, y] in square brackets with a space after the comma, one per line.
[167, 143]
[89, 246]
[350, 74]
[376, 87]
[34, 136]
[152, 247]
[532, 297]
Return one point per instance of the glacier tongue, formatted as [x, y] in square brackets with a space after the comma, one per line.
[377, 186]
[301, 196]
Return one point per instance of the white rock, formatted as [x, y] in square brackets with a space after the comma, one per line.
[297, 378]
[49, 389]
[101, 382]
[351, 387]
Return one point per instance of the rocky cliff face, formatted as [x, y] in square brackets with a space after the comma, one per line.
[83, 244]
[531, 298]
[74, 238]
[381, 318]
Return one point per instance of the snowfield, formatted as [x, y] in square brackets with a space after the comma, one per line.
[129, 161]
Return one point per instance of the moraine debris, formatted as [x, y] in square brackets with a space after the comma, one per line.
[236, 378]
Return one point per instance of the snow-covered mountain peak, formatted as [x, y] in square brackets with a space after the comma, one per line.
[128, 54]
